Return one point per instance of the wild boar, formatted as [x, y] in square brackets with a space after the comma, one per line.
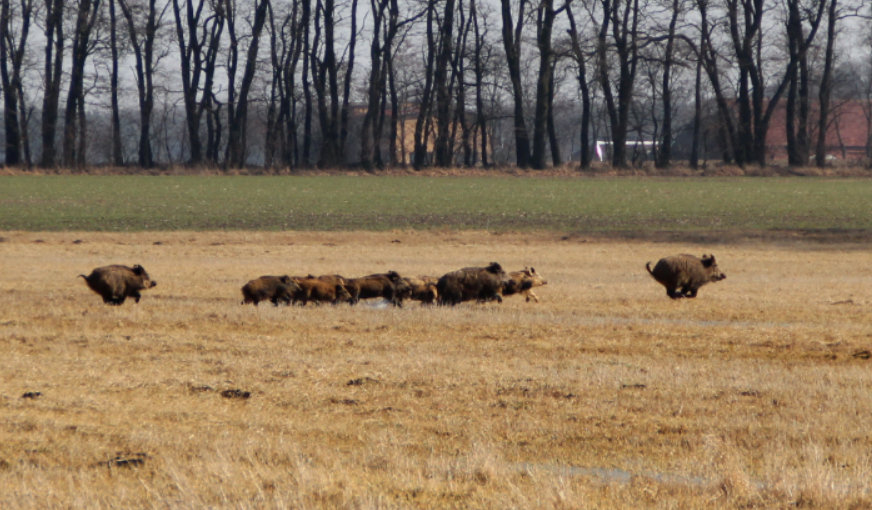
[423, 289]
[522, 282]
[320, 291]
[331, 278]
[116, 283]
[272, 288]
[479, 283]
[389, 286]
[683, 274]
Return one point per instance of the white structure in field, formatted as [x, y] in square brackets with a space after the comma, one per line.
[633, 147]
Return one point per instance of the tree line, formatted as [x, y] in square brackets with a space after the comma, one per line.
[382, 83]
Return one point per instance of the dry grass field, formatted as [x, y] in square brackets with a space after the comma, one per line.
[606, 394]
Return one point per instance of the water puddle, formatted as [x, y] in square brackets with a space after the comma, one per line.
[618, 476]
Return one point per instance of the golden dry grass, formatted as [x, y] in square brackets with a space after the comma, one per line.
[606, 394]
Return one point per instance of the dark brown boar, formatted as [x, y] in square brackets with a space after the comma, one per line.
[683, 274]
[271, 288]
[479, 283]
[522, 282]
[116, 283]
[389, 286]
[423, 289]
[320, 291]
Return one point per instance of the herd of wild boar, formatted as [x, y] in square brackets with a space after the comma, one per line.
[682, 275]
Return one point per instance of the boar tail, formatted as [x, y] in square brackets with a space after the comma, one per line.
[83, 276]
[648, 267]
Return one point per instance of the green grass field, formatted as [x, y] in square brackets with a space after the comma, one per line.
[599, 205]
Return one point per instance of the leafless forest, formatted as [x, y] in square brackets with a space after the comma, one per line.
[444, 83]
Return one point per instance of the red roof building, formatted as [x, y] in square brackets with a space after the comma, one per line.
[848, 134]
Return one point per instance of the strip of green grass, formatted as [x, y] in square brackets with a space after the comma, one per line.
[133, 203]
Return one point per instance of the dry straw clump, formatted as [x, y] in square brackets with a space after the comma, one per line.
[605, 394]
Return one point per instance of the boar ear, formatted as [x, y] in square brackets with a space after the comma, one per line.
[137, 269]
[708, 261]
[532, 270]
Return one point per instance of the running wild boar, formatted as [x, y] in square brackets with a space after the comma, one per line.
[479, 283]
[683, 275]
[269, 288]
[116, 283]
[320, 291]
[522, 282]
[423, 289]
[389, 286]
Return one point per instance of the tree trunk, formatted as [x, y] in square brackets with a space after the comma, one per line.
[478, 71]
[419, 158]
[52, 73]
[332, 110]
[143, 52]
[697, 115]
[544, 27]
[585, 153]
[11, 60]
[74, 115]
[826, 85]
[307, 90]
[664, 148]
[238, 119]
[512, 45]
[198, 35]
[797, 101]
[443, 154]
[553, 140]
[117, 151]
[622, 21]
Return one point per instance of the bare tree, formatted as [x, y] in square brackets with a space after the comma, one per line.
[443, 156]
[461, 121]
[385, 17]
[664, 147]
[480, 59]
[142, 41]
[512, 32]
[825, 90]
[117, 152]
[198, 34]
[237, 104]
[797, 105]
[333, 108]
[286, 49]
[580, 58]
[75, 133]
[618, 31]
[545, 16]
[14, 28]
[52, 73]
[425, 98]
